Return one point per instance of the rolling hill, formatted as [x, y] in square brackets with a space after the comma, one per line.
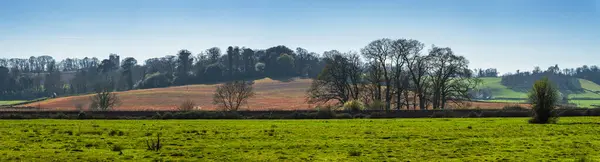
[270, 95]
[501, 93]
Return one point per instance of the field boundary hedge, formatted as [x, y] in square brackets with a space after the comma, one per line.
[307, 114]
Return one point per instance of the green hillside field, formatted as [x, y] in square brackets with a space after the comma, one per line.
[11, 102]
[502, 93]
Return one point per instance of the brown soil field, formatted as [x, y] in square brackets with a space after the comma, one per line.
[270, 95]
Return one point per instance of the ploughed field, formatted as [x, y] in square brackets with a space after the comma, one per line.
[458, 139]
[270, 95]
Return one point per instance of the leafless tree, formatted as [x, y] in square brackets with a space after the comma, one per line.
[104, 100]
[340, 80]
[379, 52]
[231, 96]
[450, 76]
[417, 66]
[400, 78]
[187, 105]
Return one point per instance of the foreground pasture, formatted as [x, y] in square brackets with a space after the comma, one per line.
[301, 140]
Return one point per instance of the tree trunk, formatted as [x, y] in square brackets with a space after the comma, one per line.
[422, 101]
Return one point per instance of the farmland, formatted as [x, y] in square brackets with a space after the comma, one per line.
[270, 95]
[588, 98]
[11, 102]
[463, 139]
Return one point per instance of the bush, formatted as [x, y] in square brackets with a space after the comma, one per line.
[167, 115]
[60, 116]
[299, 115]
[343, 116]
[325, 113]
[354, 106]
[378, 115]
[156, 116]
[81, 115]
[543, 97]
[515, 107]
[361, 116]
[187, 105]
[231, 115]
[376, 105]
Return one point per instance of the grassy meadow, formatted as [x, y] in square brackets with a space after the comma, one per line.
[500, 91]
[11, 102]
[459, 139]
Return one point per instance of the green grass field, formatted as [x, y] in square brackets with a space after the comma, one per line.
[10, 102]
[499, 90]
[473, 139]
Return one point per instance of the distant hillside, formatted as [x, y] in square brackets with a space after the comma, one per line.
[270, 95]
[495, 91]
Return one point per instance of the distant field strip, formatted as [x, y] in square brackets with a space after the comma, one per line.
[11, 102]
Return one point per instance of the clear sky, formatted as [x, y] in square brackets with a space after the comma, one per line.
[506, 34]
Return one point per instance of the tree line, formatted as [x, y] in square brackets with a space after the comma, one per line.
[386, 73]
[44, 76]
[566, 79]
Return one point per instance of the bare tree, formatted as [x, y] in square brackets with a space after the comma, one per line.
[417, 69]
[400, 49]
[450, 77]
[104, 100]
[379, 52]
[339, 80]
[231, 96]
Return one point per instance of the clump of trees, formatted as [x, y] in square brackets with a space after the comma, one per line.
[396, 73]
[231, 96]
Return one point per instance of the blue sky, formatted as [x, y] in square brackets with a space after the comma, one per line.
[506, 34]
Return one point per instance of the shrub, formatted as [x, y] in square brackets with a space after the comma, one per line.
[230, 115]
[81, 115]
[514, 107]
[354, 106]
[154, 144]
[299, 115]
[167, 115]
[378, 115]
[60, 116]
[156, 116]
[325, 113]
[190, 115]
[343, 116]
[187, 105]
[376, 105]
[543, 97]
[359, 115]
